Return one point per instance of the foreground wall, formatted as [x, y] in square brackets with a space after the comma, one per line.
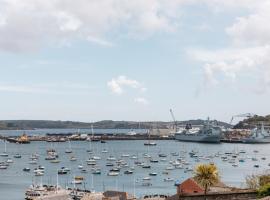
[224, 196]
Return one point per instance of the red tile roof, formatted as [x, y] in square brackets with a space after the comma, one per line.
[189, 186]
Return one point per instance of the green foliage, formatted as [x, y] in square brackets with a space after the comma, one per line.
[253, 121]
[264, 190]
[264, 179]
[206, 175]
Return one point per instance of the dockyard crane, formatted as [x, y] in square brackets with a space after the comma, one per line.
[247, 115]
[175, 123]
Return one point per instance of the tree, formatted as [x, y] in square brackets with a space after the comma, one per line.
[252, 181]
[206, 175]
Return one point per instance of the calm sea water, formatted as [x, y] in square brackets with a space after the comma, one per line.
[14, 182]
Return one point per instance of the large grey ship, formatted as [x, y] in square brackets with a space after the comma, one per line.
[209, 133]
[259, 135]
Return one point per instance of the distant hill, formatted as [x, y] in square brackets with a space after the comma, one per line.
[105, 124]
[252, 122]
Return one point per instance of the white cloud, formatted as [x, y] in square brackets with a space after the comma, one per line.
[116, 84]
[141, 100]
[249, 52]
[28, 24]
[252, 29]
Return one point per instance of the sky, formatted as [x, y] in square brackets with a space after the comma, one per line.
[91, 60]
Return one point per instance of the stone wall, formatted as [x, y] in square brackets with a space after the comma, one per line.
[251, 195]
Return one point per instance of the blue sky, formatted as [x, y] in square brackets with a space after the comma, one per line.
[124, 60]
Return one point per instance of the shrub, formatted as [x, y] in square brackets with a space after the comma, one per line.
[264, 190]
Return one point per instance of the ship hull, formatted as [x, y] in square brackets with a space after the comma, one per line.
[198, 138]
[256, 140]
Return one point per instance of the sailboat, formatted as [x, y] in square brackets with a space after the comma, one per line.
[69, 149]
[93, 138]
[4, 154]
[90, 150]
[149, 143]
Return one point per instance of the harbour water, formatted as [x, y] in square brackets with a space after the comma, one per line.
[14, 182]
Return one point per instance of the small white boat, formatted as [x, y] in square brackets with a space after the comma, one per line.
[9, 160]
[73, 158]
[168, 179]
[17, 155]
[80, 167]
[3, 166]
[96, 158]
[39, 173]
[33, 162]
[113, 174]
[77, 182]
[134, 157]
[170, 168]
[104, 151]
[147, 178]
[111, 158]
[152, 174]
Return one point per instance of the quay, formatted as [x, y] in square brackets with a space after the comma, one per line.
[228, 136]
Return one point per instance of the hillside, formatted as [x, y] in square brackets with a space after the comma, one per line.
[105, 124]
[253, 121]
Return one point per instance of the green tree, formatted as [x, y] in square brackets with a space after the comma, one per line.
[206, 175]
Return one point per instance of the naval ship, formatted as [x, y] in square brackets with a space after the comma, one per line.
[209, 133]
[259, 135]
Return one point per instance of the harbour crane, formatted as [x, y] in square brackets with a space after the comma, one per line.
[175, 123]
[247, 115]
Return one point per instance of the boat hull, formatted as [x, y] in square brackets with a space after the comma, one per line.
[256, 140]
[197, 138]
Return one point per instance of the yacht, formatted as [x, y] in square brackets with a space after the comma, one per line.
[39, 192]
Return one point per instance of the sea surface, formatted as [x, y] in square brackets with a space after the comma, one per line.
[14, 182]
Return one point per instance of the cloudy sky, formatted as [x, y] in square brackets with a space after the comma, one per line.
[90, 60]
